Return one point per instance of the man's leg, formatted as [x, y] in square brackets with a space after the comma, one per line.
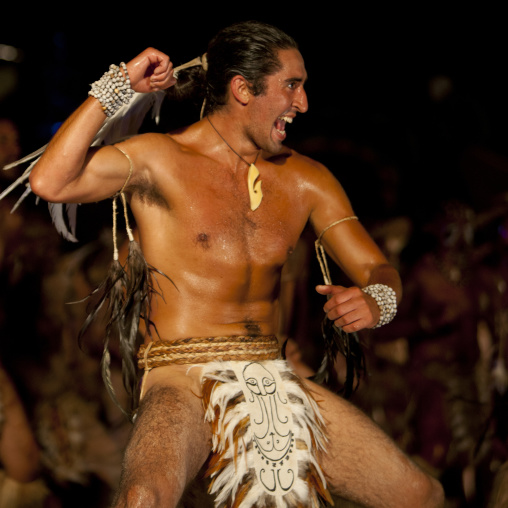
[364, 465]
[169, 442]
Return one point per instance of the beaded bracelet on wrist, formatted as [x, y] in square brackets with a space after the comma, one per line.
[113, 89]
[386, 300]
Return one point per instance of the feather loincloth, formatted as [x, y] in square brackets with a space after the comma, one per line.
[267, 431]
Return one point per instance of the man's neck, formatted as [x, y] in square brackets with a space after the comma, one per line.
[231, 134]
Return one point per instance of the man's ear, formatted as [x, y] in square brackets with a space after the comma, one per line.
[240, 90]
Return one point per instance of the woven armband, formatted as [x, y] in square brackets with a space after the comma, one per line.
[386, 300]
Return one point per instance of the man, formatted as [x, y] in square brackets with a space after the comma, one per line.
[222, 237]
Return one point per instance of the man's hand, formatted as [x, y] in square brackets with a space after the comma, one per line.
[150, 71]
[350, 308]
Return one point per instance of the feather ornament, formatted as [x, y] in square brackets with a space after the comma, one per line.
[123, 296]
[141, 285]
[235, 475]
[122, 304]
[337, 341]
[64, 219]
[108, 298]
[124, 123]
[127, 121]
[20, 180]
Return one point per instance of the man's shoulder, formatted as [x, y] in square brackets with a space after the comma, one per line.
[296, 161]
[155, 144]
[189, 138]
[311, 174]
[151, 139]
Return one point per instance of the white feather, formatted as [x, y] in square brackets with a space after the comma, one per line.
[17, 182]
[56, 210]
[28, 190]
[128, 119]
[240, 460]
[72, 213]
[27, 158]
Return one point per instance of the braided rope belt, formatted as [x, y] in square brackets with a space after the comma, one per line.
[208, 349]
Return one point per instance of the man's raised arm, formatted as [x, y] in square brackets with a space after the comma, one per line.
[378, 289]
[71, 171]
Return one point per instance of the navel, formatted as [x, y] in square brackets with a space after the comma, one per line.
[252, 328]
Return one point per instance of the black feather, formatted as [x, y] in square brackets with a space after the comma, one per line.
[337, 341]
[124, 297]
[111, 291]
[140, 289]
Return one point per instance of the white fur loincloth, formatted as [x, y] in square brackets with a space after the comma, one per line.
[267, 431]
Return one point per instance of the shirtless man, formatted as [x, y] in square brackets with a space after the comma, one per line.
[189, 194]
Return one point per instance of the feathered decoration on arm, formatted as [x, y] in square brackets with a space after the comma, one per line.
[34, 155]
[140, 288]
[124, 123]
[128, 119]
[336, 340]
[110, 294]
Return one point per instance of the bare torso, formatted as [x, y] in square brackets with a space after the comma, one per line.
[223, 259]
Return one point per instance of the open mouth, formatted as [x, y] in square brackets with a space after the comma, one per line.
[280, 124]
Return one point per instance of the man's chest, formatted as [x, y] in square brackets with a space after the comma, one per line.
[230, 230]
[208, 209]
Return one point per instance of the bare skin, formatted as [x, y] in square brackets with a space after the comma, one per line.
[189, 195]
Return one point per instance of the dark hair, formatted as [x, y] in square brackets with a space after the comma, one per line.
[249, 49]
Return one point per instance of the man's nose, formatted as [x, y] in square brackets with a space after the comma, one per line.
[301, 103]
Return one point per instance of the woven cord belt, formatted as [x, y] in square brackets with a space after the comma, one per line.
[208, 349]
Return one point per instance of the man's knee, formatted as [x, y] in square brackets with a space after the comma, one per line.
[437, 497]
[136, 496]
[170, 442]
[428, 493]
[146, 496]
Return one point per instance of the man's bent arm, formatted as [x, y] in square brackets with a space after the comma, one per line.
[352, 248]
[60, 174]
[71, 171]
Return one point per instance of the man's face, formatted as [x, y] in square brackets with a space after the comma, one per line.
[284, 96]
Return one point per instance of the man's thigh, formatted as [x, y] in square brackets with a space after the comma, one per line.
[170, 440]
[362, 463]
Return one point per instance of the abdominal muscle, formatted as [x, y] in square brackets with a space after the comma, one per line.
[212, 307]
[224, 275]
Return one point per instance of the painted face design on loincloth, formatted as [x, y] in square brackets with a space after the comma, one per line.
[272, 427]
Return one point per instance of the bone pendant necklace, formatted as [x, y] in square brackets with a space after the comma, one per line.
[254, 187]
